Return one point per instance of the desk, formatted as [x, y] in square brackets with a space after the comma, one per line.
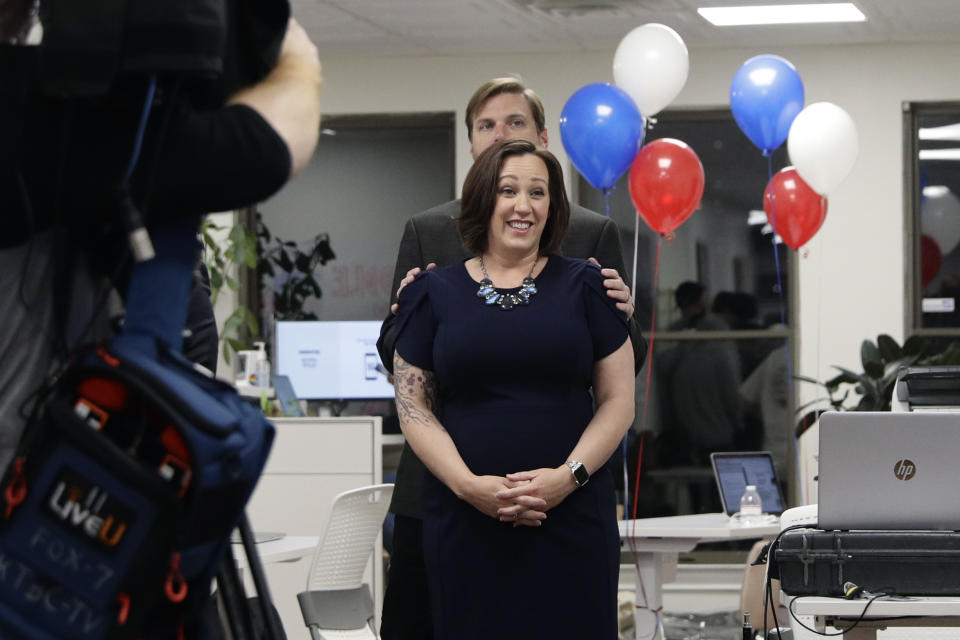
[929, 612]
[285, 549]
[656, 543]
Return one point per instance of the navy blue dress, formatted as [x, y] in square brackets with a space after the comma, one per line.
[514, 391]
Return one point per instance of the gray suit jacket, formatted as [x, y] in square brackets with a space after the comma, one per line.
[432, 236]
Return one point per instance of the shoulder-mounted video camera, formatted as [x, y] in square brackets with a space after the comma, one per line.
[219, 46]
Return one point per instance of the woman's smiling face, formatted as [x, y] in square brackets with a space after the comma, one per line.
[522, 207]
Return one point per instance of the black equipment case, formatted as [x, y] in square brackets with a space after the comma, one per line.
[918, 563]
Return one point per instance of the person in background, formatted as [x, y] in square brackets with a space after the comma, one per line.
[498, 362]
[766, 394]
[500, 109]
[702, 377]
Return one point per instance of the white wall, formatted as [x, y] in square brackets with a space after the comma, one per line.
[852, 274]
[361, 187]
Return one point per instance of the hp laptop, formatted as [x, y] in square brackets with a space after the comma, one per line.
[889, 470]
[734, 471]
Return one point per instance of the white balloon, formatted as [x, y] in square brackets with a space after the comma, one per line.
[651, 64]
[940, 218]
[823, 145]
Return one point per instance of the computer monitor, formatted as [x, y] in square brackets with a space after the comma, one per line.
[332, 360]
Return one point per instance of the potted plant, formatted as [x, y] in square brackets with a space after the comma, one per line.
[269, 256]
[882, 361]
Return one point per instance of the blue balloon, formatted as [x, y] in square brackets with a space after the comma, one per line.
[602, 130]
[765, 96]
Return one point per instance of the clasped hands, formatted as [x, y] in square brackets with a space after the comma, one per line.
[522, 498]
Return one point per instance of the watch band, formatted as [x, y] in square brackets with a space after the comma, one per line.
[580, 475]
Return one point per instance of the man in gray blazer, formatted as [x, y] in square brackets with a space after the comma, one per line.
[502, 108]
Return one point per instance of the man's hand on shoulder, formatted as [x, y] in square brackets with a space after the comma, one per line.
[407, 279]
[616, 288]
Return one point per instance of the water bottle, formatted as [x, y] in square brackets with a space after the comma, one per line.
[751, 508]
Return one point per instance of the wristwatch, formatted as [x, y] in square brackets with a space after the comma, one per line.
[580, 475]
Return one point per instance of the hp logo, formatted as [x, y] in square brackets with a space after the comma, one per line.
[904, 469]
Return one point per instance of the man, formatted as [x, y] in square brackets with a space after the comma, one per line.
[503, 108]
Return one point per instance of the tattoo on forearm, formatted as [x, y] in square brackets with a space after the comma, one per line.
[412, 383]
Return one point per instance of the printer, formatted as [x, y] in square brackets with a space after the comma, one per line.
[927, 389]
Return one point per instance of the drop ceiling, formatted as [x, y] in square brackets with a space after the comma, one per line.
[463, 27]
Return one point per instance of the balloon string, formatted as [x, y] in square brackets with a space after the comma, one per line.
[636, 480]
[636, 241]
[633, 293]
[783, 304]
[646, 397]
[606, 200]
[653, 323]
[646, 390]
[773, 241]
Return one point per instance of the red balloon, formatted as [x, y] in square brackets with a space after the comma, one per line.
[666, 183]
[930, 260]
[797, 211]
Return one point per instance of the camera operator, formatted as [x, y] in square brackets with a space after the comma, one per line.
[63, 245]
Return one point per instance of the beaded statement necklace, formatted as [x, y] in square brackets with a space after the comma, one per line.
[506, 301]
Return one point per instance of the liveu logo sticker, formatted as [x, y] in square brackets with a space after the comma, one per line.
[88, 510]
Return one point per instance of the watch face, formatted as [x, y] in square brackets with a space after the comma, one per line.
[580, 474]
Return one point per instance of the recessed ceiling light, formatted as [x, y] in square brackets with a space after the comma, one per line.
[782, 14]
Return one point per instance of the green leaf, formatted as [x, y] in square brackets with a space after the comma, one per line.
[233, 322]
[889, 349]
[853, 378]
[808, 379]
[250, 319]
[237, 345]
[250, 252]
[870, 357]
[811, 403]
[303, 263]
[914, 345]
[845, 376]
[237, 233]
[216, 279]
[285, 263]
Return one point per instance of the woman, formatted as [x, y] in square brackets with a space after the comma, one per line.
[495, 362]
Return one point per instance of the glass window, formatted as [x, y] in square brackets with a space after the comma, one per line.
[932, 166]
[719, 379]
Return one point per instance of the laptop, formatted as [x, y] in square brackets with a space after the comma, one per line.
[733, 471]
[889, 470]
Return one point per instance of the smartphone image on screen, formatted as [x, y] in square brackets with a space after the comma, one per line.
[370, 366]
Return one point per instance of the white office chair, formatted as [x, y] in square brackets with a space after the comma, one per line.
[337, 605]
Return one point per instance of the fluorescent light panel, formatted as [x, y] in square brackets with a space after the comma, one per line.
[946, 132]
[939, 154]
[782, 14]
[756, 216]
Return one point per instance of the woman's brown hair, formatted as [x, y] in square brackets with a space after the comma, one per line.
[480, 196]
